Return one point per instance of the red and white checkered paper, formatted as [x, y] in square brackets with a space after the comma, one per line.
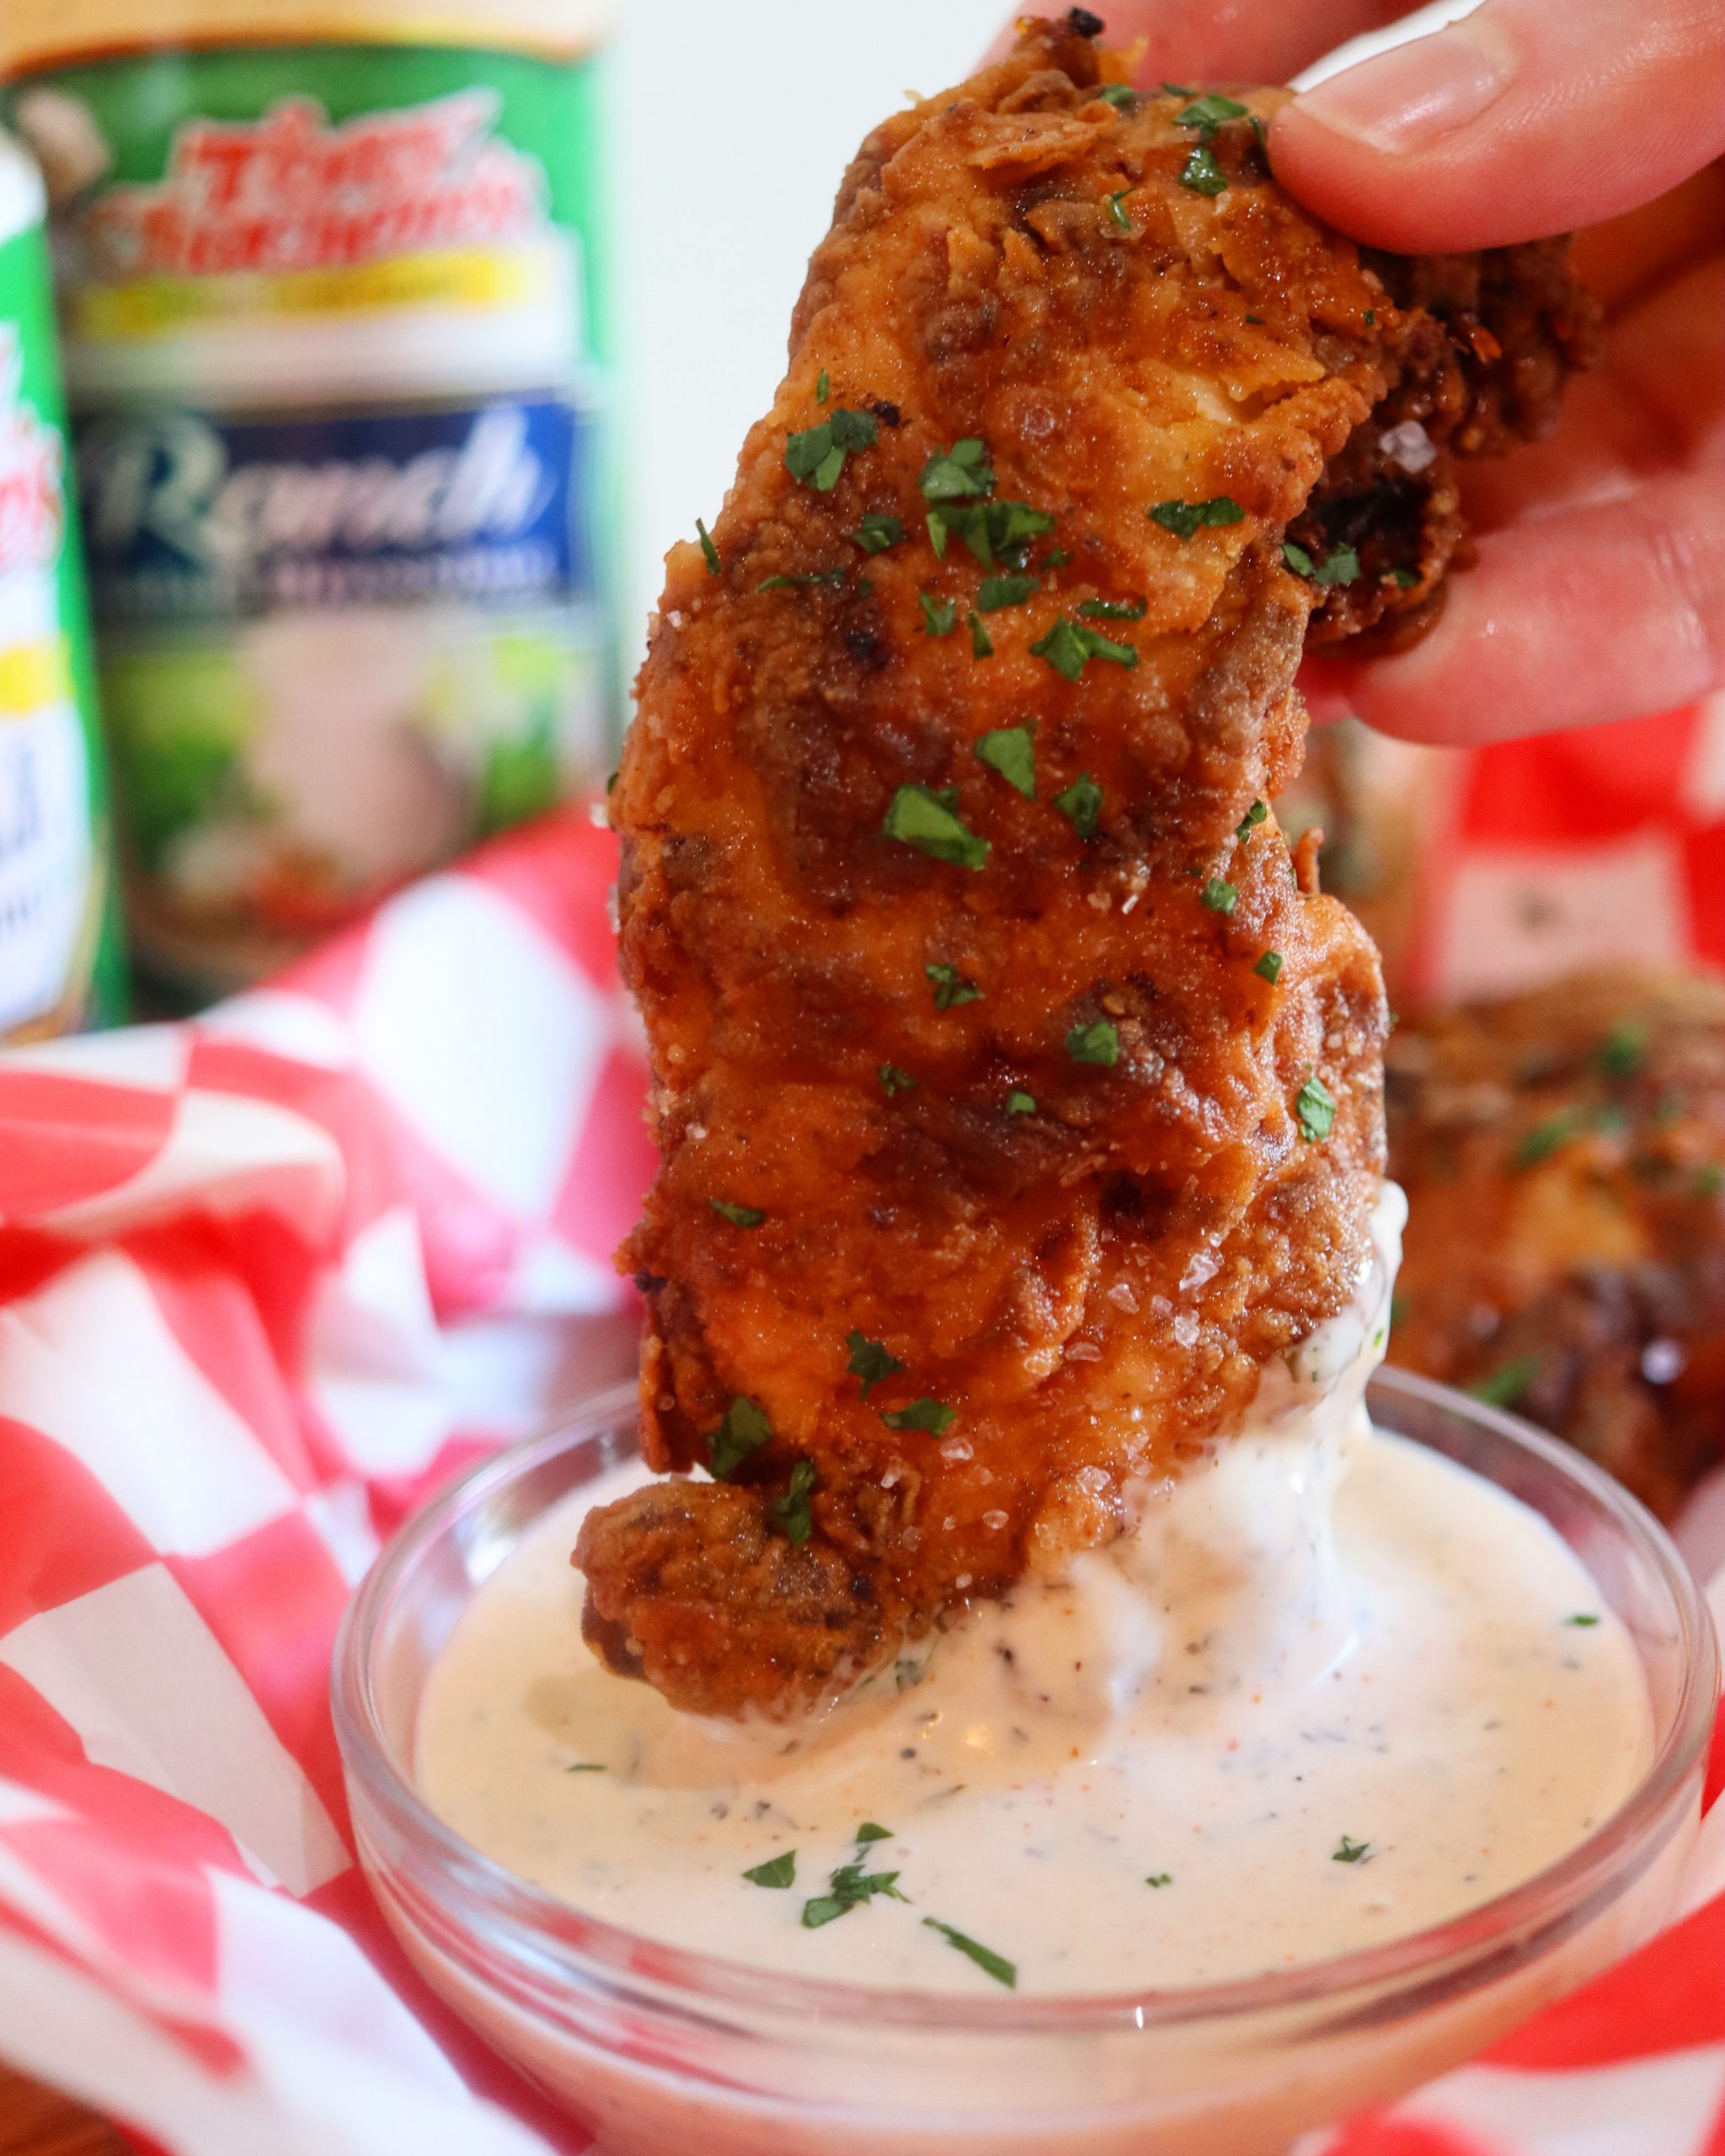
[266, 1279]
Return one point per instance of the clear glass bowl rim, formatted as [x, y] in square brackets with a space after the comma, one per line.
[488, 1900]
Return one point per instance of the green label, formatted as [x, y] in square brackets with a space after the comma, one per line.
[335, 330]
[59, 963]
[325, 171]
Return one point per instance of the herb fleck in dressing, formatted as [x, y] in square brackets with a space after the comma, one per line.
[1334, 1690]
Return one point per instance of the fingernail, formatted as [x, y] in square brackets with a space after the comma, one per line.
[1408, 98]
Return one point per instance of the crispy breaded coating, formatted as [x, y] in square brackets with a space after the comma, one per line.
[1563, 1153]
[1017, 1102]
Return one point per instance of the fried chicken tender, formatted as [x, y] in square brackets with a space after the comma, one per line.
[1563, 1153]
[1019, 1096]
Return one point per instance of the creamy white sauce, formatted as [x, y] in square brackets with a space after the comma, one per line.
[1330, 1692]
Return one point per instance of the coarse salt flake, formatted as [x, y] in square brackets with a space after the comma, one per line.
[1408, 445]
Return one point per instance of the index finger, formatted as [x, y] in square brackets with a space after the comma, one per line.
[1232, 40]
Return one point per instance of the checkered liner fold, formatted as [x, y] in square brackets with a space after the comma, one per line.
[265, 1280]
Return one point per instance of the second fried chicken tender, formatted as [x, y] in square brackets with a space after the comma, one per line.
[1019, 1096]
[1563, 1153]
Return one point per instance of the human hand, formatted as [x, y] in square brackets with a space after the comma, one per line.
[1600, 590]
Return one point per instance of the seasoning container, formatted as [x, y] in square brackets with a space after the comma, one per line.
[332, 318]
[60, 962]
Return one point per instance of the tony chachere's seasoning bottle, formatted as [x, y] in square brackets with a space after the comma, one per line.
[332, 322]
[59, 963]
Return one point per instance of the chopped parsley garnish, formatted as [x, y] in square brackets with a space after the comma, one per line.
[847, 1889]
[1545, 1139]
[777, 1872]
[833, 577]
[1115, 610]
[1159, 1879]
[823, 387]
[1207, 114]
[1341, 567]
[981, 642]
[1583, 1618]
[1117, 95]
[1622, 1052]
[792, 1510]
[995, 592]
[1056, 558]
[956, 486]
[1094, 1044]
[1251, 820]
[1098, 646]
[816, 457]
[1183, 518]
[1220, 897]
[1707, 1181]
[1405, 579]
[1315, 1108]
[1269, 967]
[993, 532]
[1505, 1386]
[587, 1767]
[709, 552]
[963, 472]
[743, 1430]
[878, 531]
[851, 1882]
[1069, 646]
[950, 987]
[739, 1216]
[1081, 805]
[868, 1832]
[991, 1963]
[1021, 1103]
[933, 1416]
[940, 617]
[1348, 1851]
[1063, 649]
[1011, 750]
[923, 819]
[1117, 216]
[870, 1361]
[1178, 89]
[1372, 317]
[894, 1081]
[1201, 173]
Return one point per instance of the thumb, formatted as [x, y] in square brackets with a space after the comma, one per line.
[1523, 120]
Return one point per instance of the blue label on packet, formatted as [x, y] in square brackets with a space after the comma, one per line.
[191, 516]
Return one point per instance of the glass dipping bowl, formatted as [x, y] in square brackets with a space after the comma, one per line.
[660, 2052]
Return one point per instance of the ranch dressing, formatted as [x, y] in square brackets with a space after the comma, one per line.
[1334, 1690]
